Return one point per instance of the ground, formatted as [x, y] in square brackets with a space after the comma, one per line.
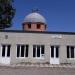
[35, 70]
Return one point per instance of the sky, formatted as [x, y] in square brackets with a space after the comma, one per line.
[59, 14]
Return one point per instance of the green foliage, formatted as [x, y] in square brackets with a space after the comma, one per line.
[7, 13]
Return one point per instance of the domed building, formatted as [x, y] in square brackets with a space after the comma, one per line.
[34, 22]
[34, 44]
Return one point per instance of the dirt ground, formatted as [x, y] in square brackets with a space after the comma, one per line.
[36, 71]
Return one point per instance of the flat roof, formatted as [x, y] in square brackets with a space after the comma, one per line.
[40, 32]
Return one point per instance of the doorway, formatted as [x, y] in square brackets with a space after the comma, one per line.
[5, 54]
[54, 55]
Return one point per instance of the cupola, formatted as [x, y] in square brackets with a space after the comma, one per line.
[34, 22]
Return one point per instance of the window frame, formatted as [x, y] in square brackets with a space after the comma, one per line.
[7, 49]
[29, 25]
[38, 26]
[69, 52]
[54, 51]
[26, 50]
[42, 54]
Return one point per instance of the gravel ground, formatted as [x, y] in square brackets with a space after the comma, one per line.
[6, 70]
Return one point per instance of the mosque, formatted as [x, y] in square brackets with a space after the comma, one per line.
[34, 44]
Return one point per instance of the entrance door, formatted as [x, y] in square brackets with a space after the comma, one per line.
[54, 55]
[5, 54]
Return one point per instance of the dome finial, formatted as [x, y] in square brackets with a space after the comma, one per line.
[35, 10]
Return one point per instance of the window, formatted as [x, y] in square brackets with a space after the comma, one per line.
[38, 26]
[29, 25]
[70, 52]
[54, 51]
[57, 52]
[38, 51]
[6, 50]
[3, 51]
[34, 51]
[22, 50]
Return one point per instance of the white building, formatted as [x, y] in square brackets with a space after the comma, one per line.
[35, 45]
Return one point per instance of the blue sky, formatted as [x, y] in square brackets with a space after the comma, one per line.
[59, 14]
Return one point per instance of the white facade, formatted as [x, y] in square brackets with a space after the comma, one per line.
[36, 47]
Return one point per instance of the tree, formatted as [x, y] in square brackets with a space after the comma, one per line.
[7, 13]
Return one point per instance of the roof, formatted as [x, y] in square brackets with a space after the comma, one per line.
[40, 32]
[35, 17]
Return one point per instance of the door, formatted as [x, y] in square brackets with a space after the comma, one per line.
[54, 55]
[5, 54]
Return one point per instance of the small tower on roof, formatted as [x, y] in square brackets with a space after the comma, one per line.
[34, 22]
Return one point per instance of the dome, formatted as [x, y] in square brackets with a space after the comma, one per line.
[35, 17]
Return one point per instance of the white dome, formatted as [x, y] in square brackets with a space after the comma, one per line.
[35, 17]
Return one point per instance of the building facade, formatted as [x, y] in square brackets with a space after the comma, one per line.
[37, 47]
[34, 44]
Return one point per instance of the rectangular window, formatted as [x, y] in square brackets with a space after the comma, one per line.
[3, 51]
[70, 52]
[26, 53]
[6, 50]
[29, 25]
[18, 50]
[52, 51]
[57, 52]
[22, 50]
[38, 51]
[38, 26]
[42, 49]
[34, 51]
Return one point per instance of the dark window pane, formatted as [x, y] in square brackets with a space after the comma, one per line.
[52, 51]
[18, 50]
[67, 51]
[34, 51]
[3, 51]
[29, 25]
[38, 26]
[42, 49]
[57, 52]
[38, 51]
[26, 54]
[22, 50]
[8, 51]
[72, 52]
